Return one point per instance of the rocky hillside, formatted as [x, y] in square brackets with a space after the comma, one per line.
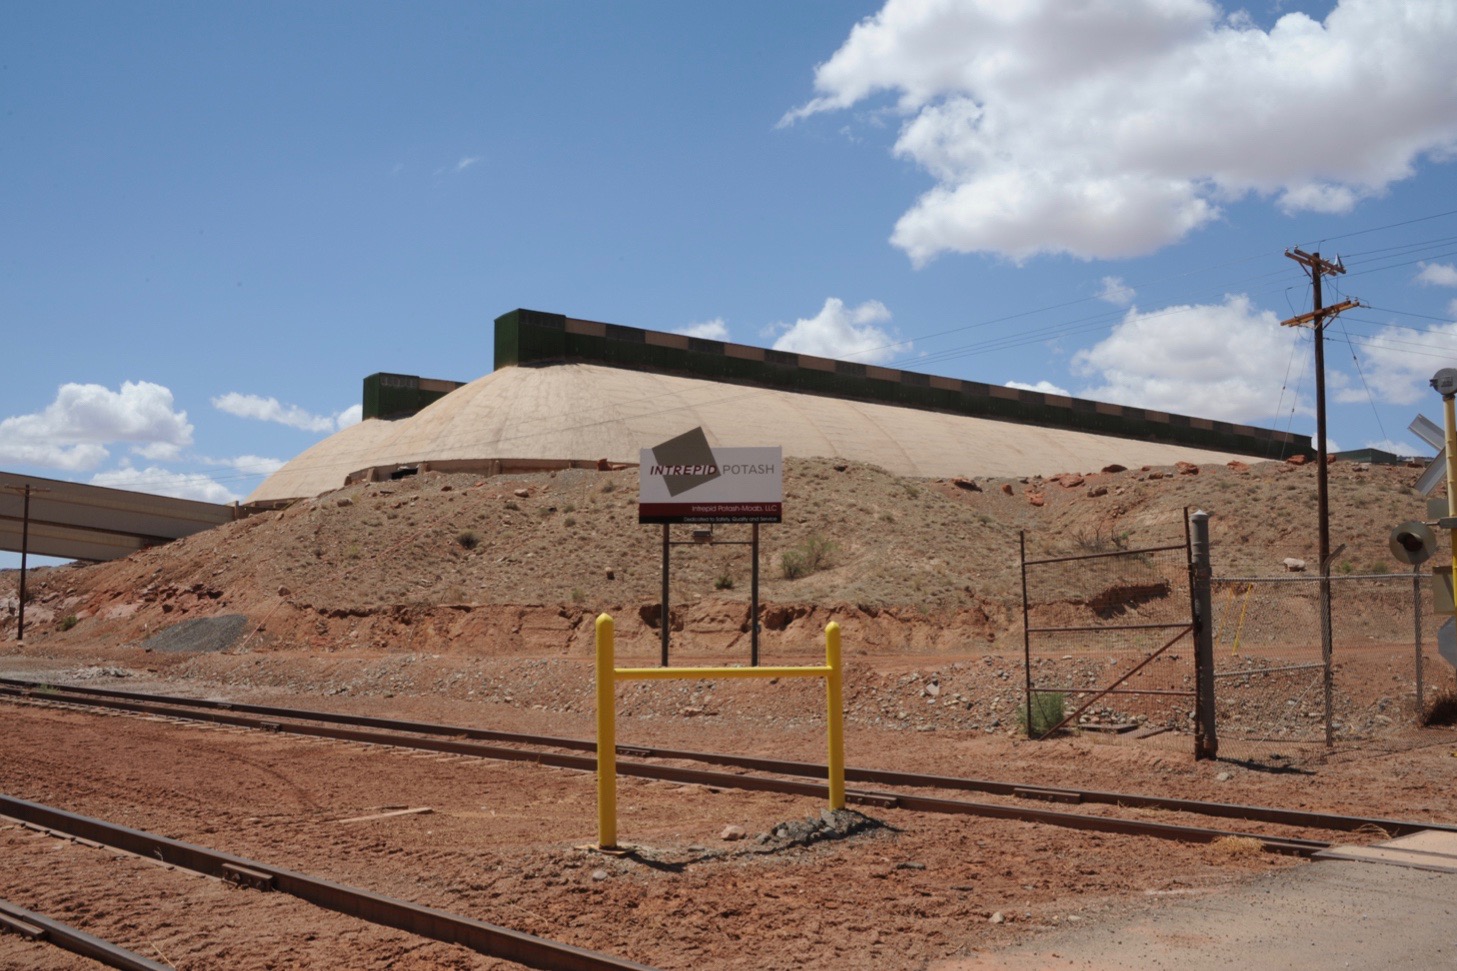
[519, 564]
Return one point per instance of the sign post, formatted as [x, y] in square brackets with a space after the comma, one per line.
[686, 480]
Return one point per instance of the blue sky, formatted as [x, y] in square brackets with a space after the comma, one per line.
[218, 218]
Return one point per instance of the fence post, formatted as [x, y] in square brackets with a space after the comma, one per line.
[1206, 737]
[1416, 613]
[606, 735]
[835, 703]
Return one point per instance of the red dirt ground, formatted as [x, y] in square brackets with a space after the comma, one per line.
[375, 604]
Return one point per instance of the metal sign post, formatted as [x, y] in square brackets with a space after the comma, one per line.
[686, 480]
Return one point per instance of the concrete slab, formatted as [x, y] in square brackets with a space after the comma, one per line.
[1426, 850]
[1326, 915]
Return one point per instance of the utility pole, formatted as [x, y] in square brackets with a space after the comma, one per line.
[1319, 269]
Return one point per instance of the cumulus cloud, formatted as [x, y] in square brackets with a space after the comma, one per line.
[1399, 362]
[713, 330]
[1226, 361]
[1046, 387]
[1113, 290]
[1405, 449]
[1438, 275]
[73, 431]
[269, 409]
[843, 333]
[182, 485]
[1111, 128]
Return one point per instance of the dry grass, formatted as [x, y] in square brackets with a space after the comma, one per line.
[1236, 847]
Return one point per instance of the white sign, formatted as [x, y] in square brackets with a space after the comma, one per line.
[685, 480]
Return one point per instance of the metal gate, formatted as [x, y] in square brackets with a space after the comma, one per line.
[1108, 636]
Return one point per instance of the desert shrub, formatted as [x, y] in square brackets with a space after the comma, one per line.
[512, 505]
[724, 581]
[577, 595]
[808, 557]
[1100, 542]
[69, 621]
[1046, 711]
[468, 539]
[609, 486]
[1441, 708]
[569, 521]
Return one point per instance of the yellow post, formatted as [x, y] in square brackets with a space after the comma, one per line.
[836, 698]
[606, 736]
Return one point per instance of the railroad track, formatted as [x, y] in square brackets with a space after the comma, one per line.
[485, 743]
[37, 927]
[439, 925]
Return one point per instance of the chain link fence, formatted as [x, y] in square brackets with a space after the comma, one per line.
[1270, 670]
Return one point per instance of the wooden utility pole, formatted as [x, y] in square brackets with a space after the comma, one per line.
[1318, 270]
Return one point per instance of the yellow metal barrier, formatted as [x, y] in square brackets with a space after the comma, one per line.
[608, 674]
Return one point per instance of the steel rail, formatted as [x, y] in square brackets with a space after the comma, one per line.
[221, 712]
[439, 925]
[38, 927]
[915, 803]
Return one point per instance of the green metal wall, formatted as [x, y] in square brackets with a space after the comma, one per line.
[395, 396]
[531, 337]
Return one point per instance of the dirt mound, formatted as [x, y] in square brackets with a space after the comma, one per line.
[518, 564]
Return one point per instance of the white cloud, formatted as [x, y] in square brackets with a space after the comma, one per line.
[158, 451]
[1438, 275]
[73, 431]
[269, 409]
[843, 333]
[1046, 387]
[1113, 290]
[1226, 361]
[1398, 363]
[466, 162]
[248, 464]
[183, 485]
[1400, 448]
[1110, 128]
[713, 330]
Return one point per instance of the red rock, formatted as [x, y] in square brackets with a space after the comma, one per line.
[1036, 498]
[1238, 466]
[1007, 488]
[1115, 468]
[1296, 460]
[1097, 491]
[968, 484]
[1187, 468]
[1071, 481]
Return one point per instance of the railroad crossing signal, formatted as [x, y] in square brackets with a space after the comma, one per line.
[1429, 432]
